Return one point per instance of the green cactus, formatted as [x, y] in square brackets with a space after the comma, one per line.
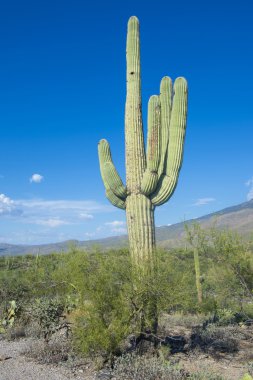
[9, 317]
[151, 176]
[197, 239]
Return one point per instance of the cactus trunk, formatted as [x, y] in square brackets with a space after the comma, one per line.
[139, 209]
[141, 230]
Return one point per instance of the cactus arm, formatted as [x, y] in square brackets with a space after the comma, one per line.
[114, 180]
[114, 199]
[115, 190]
[166, 100]
[135, 152]
[168, 180]
[150, 177]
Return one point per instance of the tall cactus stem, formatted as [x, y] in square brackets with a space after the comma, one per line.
[135, 152]
[197, 275]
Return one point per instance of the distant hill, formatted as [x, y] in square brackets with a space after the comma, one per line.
[238, 218]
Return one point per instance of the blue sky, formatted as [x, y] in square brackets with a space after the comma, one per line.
[62, 75]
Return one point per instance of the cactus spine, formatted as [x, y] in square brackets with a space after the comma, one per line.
[151, 176]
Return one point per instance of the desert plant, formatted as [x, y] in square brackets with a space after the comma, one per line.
[247, 377]
[49, 352]
[204, 375]
[134, 367]
[9, 316]
[150, 178]
[137, 367]
[250, 368]
[215, 339]
[196, 237]
[47, 312]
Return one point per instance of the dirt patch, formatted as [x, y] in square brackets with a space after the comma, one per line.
[231, 364]
[15, 366]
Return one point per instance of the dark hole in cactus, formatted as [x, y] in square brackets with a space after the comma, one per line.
[132, 73]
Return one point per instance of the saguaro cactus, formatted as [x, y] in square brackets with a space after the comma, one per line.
[151, 176]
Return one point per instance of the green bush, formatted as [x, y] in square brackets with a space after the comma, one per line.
[47, 313]
[98, 292]
[103, 319]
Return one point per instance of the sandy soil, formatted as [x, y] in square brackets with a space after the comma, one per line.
[15, 366]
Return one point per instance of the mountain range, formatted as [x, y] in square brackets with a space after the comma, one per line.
[237, 218]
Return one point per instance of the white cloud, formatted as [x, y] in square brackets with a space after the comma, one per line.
[203, 201]
[5, 200]
[249, 183]
[84, 215]
[65, 205]
[39, 221]
[250, 194]
[6, 205]
[89, 235]
[119, 230]
[115, 223]
[37, 178]
[53, 222]
[51, 212]
[117, 227]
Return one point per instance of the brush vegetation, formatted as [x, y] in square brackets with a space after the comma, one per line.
[95, 295]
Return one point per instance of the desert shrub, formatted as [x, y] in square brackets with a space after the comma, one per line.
[175, 281]
[233, 270]
[225, 317]
[47, 313]
[24, 278]
[250, 368]
[170, 321]
[248, 310]
[49, 352]
[136, 367]
[103, 320]
[104, 301]
[215, 339]
[113, 297]
[205, 375]
[226, 264]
